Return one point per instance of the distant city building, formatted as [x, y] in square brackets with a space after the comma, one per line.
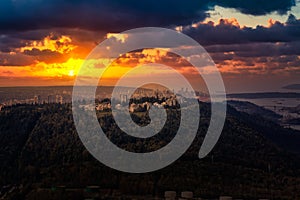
[51, 99]
[59, 99]
[123, 98]
[35, 99]
[40, 99]
[103, 106]
[171, 101]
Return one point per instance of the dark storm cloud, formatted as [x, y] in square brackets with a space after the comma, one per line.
[9, 40]
[251, 57]
[219, 57]
[16, 39]
[33, 34]
[46, 55]
[257, 49]
[118, 15]
[84, 20]
[98, 15]
[257, 7]
[226, 33]
[280, 54]
[8, 43]
[17, 59]
[87, 21]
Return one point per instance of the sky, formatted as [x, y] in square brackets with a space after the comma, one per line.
[255, 44]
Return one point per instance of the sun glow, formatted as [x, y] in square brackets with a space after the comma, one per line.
[71, 73]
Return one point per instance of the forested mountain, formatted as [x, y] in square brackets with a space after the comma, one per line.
[267, 123]
[40, 148]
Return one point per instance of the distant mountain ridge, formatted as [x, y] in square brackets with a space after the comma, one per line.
[253, 109]
[262, 95]
[292, 87]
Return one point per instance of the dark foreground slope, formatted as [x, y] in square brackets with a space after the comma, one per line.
[41, 156]
[267, 123]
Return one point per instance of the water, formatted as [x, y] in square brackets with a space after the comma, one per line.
[277, 105]
[272, 102]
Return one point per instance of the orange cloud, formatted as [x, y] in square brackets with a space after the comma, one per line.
[272, 22]
[120, 37]
[231, 21]
[62, 44]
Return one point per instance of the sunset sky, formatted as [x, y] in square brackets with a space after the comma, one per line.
[255, 44]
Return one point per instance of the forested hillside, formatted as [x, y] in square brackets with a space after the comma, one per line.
[39, 148]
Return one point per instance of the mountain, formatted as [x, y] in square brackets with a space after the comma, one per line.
[43, 158]
[295, 109]
[292, 87]
[261, 95]
[288, 139]
[253, 109]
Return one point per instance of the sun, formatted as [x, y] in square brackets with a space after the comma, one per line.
[71, 73]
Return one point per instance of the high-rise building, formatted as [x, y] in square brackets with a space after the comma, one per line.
[123, 98]
[51, 99]
[59, 99]
[40, 99]
[35, 99]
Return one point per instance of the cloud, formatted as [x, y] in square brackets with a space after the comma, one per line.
[59, 43]
[238, 51]
[15, 59]
[34, 81]
[146, 56]
[7, 73]
[257, 58]
[8, 43]
[242, 50]
[257, 49]
[257, 7]
[47, 56]
[228, 32]
[105, 15]
[120, 15]
[22, 50]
